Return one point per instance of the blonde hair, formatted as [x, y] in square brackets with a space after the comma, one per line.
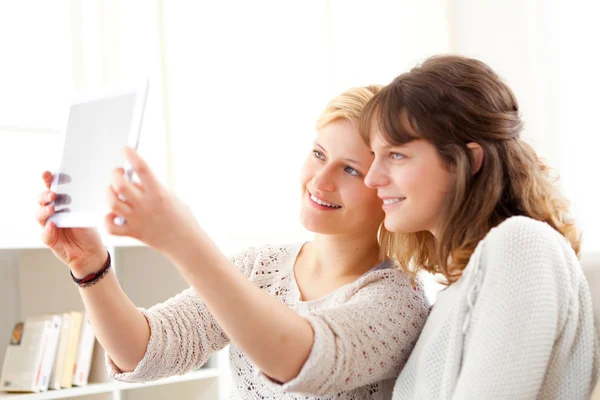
[452, 101]
[347, 105]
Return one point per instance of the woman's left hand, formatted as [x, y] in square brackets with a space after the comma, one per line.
[153, 215]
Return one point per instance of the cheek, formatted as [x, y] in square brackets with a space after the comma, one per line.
[410, 179]
[306, 173]
[364, 197]
[421, 185]
[427, 185]
[440, 180]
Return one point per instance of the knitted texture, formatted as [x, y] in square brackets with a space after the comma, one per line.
[517, 325]
[364, 333]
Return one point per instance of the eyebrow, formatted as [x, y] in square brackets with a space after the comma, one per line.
[345, 159]
[388, 146]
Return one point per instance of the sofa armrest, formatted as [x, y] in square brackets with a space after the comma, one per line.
[596, 393]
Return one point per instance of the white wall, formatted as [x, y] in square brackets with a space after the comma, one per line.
[578, 88]
[545, 50]
[506, 35]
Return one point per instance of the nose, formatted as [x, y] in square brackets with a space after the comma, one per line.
[377, 176]
[324, 179]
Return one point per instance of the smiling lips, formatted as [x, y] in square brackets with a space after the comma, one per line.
[322, 204]
[389, 202]
[393, 200]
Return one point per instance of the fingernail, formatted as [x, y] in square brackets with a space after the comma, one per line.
[47, 196]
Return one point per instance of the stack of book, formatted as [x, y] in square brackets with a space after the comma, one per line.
[48, 352]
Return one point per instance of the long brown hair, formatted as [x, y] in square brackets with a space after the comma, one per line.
[451, 101]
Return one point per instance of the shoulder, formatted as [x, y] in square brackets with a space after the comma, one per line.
[392, 286]
[524, 230]
[524, 236]
[526, 249]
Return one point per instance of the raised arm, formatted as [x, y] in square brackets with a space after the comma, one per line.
[277, 339]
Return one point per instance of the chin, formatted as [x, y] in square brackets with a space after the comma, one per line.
[398, 225]
[318, 226]
[316, 223]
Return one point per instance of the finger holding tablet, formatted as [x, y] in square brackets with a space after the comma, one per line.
[80, 248]
[153, 214]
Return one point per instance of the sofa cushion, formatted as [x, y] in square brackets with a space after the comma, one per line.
[590, 262]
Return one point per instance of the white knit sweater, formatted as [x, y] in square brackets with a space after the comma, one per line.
[364, 333]
[517, 325]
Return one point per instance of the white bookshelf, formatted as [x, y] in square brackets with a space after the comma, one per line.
[34, 282]
[205, 375]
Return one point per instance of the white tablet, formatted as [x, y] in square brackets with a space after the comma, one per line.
[98, 129]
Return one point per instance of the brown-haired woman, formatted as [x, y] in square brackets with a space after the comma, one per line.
[467, 198]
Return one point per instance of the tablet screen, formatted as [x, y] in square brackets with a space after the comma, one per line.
[97, 131]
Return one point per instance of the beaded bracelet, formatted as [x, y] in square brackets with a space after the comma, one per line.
[94, 277]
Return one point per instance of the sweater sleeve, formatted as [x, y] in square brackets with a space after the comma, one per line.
[518, 308]
[183, 333]
[363, 341]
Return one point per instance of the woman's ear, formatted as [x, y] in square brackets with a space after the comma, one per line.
[476, 155]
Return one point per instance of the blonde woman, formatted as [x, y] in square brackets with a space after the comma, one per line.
[326, 319]
[464, 196]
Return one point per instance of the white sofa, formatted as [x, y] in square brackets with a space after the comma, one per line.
[590, 263]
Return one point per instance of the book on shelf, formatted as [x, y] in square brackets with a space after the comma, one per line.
[58, 368]
[51, 335]
[30, 355]
[48, 352]
[75, 323]
[83, 363]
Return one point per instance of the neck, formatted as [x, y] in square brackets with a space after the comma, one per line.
[336, 256]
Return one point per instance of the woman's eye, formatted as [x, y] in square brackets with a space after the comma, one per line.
[318, 154]
[352, 171]
[397, 156]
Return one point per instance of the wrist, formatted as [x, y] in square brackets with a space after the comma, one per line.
[183, 245]
[94, 277]
[192, 253]
[90, 265]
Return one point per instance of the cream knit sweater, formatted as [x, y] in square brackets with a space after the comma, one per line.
[364, 333]
[517, 325]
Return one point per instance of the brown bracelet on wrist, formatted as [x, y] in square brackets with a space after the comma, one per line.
[94, 277]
